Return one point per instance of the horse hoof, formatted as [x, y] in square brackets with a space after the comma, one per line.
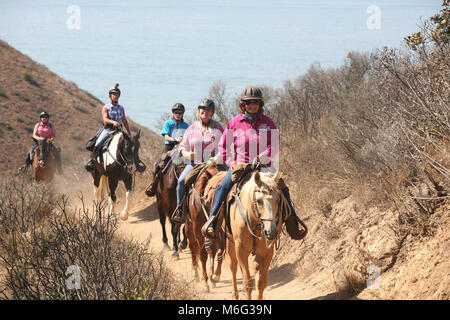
[166, 247]
[124, 216]
[205, 289]
[183, 245]
[213, 283]
[215, 278]
[175, 256]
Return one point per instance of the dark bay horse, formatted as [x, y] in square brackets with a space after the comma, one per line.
[196, 218]
[166, 198]
[43, 161]
[119, 162]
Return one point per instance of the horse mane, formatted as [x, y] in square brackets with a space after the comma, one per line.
[268, 179]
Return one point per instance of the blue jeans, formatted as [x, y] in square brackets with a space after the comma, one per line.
[221, 194]
[104, 134]
[181, 188]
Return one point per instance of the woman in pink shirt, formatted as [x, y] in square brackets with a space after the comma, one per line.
[44, 129]
[199, 144]
[252, 135]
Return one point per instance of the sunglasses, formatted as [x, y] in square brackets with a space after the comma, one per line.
[249, 102]
[179, 112]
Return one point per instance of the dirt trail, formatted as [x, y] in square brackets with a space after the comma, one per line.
[282, 284]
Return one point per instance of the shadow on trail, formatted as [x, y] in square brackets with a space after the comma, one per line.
[147, 214]
[281, 275]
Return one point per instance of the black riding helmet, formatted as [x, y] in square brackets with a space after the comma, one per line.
[178, 107]
[207, 103]
[44, 114]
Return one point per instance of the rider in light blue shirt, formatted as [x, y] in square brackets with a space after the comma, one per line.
[172, 131]
[174, 128]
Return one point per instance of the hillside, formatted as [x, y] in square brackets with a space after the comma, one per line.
[26, 89]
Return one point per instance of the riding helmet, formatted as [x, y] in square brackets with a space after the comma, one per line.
[251, 93]
[114, 89]
[178, 107]
[44, 113]
[207, 103]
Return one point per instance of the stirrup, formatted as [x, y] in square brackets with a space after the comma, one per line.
[208, 231]
[178, 215]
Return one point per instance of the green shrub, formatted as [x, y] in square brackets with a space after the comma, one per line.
[28, 78]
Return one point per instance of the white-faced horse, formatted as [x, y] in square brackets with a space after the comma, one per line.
[256, 219]
[119, 162]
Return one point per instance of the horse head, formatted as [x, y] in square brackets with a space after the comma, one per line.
[266, 198]
[129, 152]
[43, 151]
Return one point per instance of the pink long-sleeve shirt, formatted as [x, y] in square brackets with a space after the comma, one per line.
[203, 144]
[249, 140]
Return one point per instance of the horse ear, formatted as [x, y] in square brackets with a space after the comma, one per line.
[278, 175]
[257, 178]
[138, 134]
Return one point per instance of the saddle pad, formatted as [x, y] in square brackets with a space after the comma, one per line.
[192, 176]
[210, 188]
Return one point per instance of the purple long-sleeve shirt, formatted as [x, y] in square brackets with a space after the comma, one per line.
[249, 140]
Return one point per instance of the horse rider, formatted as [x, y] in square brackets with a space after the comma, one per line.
[44, 129]
[113, 115]
[251, 123]
[172, 131]
[200, 142]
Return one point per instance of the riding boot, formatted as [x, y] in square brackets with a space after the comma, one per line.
[293, 221]
[90, 165]
[151, 191]
[178, 215]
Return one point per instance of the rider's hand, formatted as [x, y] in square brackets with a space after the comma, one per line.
[177, 140]
[188, 155]
[213, 160]
[116, 124]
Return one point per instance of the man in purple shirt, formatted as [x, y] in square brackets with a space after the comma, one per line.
[251, 134]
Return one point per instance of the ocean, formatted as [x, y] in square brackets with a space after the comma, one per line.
[163, 52]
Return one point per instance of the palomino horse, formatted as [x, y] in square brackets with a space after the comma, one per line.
[196, 219]
[118, 162]
[43, 161]
[255, 218]
[166, 199]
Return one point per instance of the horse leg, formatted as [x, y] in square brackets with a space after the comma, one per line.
[193, 246]
[98, 186]
[162, 221]
[203, 260]
[128, 186]
[231, 251]
[242, 257]
[112, 183]
[263, 269]
[220, 256]
[175, 229]
[183, 244]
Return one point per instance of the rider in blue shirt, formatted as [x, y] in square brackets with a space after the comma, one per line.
[172, 131]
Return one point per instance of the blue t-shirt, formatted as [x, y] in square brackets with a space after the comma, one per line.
[174, 129]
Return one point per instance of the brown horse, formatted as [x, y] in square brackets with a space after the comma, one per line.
[196, 219]
[166, 199]
[256, 220]
[43, 161]
[119, 162]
